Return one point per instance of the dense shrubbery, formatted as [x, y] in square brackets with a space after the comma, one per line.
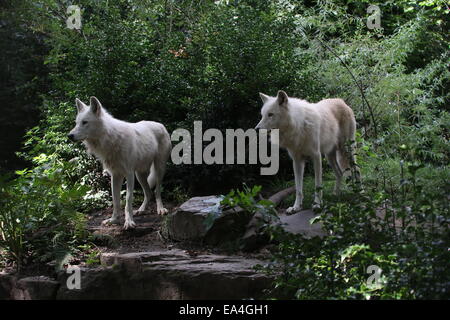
[180, 61]
[38, 216]
[401, 231]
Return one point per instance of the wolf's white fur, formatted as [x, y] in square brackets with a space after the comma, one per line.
[125, 149]
[310, 130]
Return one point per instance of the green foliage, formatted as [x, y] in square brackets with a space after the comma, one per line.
[402, 232]
[92, 254]
[38, 216]
[246, 200]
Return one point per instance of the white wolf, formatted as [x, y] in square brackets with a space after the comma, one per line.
[125, 149]
[310, 130]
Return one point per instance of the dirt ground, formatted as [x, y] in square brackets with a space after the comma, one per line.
[112, 238]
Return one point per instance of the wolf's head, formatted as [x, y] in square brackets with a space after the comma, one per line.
[274, 111]
[88, 120]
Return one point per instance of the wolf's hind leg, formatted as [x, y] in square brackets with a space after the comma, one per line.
[347, 163]
[157, 174]
[332, 160]
[317, 160]
[142, 178]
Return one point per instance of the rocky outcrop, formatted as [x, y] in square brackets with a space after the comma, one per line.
[175, 274]
[166, 274]
[161, 273]
[202, 219]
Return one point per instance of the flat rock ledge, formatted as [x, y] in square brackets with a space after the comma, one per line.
[169, 274]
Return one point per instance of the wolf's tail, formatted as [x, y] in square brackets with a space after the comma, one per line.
[344, 159]
[346, 154]
[158, 167]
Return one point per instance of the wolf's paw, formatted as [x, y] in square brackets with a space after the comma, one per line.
[110, 221]
[293, 209]
[162, 211]
[129, 224]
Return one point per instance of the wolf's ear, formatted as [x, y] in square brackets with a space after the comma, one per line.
[80, 105]
[264, 97]
[96, 106]
[282, 98]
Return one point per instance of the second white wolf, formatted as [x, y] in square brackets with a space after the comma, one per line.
[125, 149]
[311, 130]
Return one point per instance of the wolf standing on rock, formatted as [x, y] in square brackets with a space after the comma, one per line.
[310, 130]
[125, 149]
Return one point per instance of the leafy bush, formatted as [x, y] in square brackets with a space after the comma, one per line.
[38, 216]
[404, 233]
[246, 200]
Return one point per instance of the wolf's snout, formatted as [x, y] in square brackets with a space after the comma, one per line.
[71, 136]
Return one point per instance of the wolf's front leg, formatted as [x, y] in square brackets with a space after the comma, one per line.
[299, 168]
[317, 159]
[116, 185]
[129, 223]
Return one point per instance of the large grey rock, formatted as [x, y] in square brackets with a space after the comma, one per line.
[202, 218]
[188, 222]
[175, 274]
[169, 274]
